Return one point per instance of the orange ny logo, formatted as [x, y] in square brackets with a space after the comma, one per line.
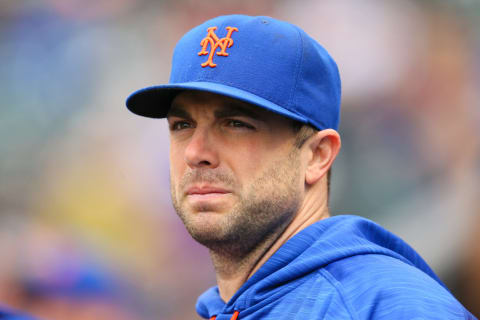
[214, 42]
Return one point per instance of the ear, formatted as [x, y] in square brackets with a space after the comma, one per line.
[324, 147]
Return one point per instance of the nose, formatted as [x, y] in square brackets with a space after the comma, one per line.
[201, 150]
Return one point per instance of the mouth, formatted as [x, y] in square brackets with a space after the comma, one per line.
[206, 193]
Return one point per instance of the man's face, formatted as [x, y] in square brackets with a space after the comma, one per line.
[236, 176]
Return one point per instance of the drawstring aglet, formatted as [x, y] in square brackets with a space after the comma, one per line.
[234, 316]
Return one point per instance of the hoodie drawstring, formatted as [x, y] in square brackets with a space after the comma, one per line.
[234, 316]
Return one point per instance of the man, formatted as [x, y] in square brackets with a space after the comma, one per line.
[253, 108]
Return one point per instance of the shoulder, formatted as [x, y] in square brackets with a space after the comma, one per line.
[382, 287]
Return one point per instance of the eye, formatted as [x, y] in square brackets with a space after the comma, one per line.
[238, 124]
[180, 125]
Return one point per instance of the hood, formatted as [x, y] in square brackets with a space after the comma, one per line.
[313, 248]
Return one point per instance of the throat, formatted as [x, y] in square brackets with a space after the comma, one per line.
[233, 267]
[231, 274]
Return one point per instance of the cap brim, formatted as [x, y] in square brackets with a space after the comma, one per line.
[155, 101]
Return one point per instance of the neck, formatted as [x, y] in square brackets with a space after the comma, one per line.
[232, 272]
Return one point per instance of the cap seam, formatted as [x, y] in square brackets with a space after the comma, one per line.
[299, 63]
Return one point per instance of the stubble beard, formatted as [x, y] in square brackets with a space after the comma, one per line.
[260, 214]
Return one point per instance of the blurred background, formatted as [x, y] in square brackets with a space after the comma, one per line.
[86, 226]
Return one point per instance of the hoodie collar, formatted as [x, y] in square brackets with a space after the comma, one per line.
[316, 246]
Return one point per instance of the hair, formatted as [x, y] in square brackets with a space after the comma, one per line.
[303, 132]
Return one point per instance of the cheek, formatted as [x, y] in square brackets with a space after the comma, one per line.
[266, 164]
[177, 165]
[247, 162]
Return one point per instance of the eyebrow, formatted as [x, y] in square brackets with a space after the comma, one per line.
[228, 109]
[178, 112]
[232, 109]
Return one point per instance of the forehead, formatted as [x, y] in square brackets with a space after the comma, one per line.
[188, 101]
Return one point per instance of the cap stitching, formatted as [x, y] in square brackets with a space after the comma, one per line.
[298, 66]
[259, 96]
[264, 96]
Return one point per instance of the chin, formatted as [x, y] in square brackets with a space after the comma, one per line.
[205, 232]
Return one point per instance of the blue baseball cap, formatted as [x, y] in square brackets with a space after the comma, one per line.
[260, 60]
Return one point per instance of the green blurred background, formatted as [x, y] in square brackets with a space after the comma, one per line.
[87, 230]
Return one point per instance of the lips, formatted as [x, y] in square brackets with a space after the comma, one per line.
[207, 199]
[205, 190]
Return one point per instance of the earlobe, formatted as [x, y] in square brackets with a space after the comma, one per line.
[324, 147]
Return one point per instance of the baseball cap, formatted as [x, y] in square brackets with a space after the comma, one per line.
[260, 60]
